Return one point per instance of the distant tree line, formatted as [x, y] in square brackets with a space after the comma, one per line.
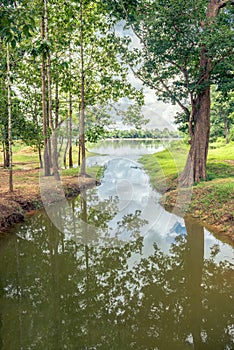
[143, 134]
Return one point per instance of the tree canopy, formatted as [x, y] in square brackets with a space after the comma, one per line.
[184, 48]
[64, 58]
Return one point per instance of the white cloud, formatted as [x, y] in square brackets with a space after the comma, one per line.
[160, 114]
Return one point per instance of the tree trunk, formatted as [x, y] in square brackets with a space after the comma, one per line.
[195, 168]
[6, 153]
[9, 120]
[79, 153]
[66, 147]
[82, 109]
[61, 146]
[65, 155]
[53, 140]
[226, 130]
[70, 131]
[82, 134]
[56, 104]
[40, 157]
[44, 105]
[5, 143]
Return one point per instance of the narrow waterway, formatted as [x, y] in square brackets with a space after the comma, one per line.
[112, 269]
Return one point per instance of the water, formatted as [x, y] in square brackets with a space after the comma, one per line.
[112, 269]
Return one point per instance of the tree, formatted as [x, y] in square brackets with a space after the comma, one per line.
[103, 78]
[43, 82]
[222, 115]
[199, 120]
[185, 47]
[12, 28]
[133, 116]
[9, 118]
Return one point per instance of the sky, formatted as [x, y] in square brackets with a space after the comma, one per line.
[160, 114]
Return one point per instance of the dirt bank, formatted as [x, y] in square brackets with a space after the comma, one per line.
[207, 205]
[29, 193]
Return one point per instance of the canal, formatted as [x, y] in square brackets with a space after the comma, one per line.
[111, 269]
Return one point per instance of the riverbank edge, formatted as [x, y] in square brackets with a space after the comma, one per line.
[221, 226]
[14, 206]
[189, 202]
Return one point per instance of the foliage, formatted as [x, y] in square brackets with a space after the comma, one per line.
[184, 48]
[165, 166]
[171, 37]
[133, 116]
[168, 163]
[222, 116]
[105, 74]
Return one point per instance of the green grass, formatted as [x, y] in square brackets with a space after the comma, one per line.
[219, 170]
[217, 191]
[168, 164]
[94, 171]
[220, 151]
[165, 165]
[26, 157]
[212, 200]
[220, 162]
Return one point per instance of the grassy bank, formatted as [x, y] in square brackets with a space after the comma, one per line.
[212, 200]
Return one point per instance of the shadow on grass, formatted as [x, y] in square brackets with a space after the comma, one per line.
[219, 170]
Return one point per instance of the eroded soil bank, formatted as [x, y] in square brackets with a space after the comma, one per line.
[29, 194]
[215, 213]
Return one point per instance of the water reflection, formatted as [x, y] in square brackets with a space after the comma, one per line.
[131, 149]
[115, 272]
[58, 292]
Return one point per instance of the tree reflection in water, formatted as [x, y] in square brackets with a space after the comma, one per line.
[61, 291]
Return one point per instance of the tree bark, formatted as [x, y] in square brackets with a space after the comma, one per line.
[5, 143]
[79, 153]
[56, 104]
[66, 147]
[54, 146]
[195, 168]
[6, 153]
[70, 131]
[9, 120]
[226, 130]
[82, 109]
[40, 157]
[44, 104]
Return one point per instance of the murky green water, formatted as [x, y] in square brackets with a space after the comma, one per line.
[112, 270]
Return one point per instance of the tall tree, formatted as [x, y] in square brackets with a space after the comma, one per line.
[9, 118]
[103, 77]
[185, 46]
[13, 28]
[52, 126]
[82, 93]
[44, 90]
[199, 120]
